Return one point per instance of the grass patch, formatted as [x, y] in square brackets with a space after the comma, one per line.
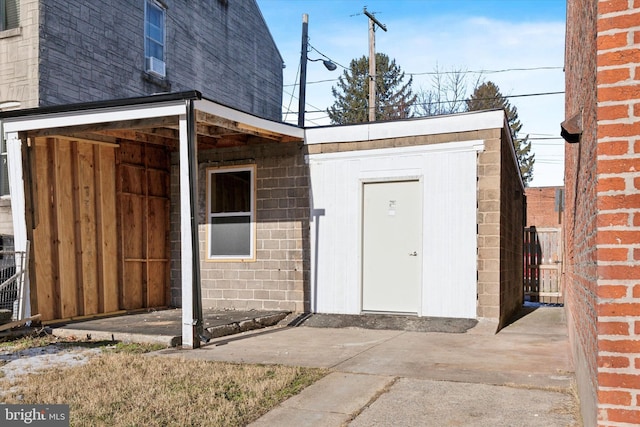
[42, 339]
[124, 388]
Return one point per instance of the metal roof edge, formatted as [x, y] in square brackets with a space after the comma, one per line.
[111, 103]
[461, 122]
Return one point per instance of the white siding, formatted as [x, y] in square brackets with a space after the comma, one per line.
[448, 174]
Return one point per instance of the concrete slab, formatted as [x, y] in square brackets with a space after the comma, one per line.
[413, 402]
[521, 376]
[309, 347]
[165, 326]
[344, 396]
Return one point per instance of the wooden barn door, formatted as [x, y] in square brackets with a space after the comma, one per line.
[143, 179]
[75, 233]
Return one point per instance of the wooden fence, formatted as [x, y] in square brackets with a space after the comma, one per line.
[543, 265]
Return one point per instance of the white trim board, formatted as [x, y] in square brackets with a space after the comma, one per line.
[445, 147]
[92, 116]
[414, 127]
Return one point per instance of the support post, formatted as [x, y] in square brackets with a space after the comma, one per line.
[190, 265]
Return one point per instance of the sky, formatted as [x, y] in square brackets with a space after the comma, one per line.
[524, 37]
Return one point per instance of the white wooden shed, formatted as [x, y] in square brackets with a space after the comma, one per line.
[402, 214]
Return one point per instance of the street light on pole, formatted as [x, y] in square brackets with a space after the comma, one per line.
[303, 68]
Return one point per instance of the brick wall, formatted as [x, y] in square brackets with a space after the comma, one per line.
[279, 277]
[602, 181]
[95, 51]
[541, 207]
[580, 200]
[618, 219]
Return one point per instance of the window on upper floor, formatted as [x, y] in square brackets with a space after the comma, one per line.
[9, 14]
[4, 169]
[154, 37]
[231, 213]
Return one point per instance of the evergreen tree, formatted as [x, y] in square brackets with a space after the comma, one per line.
[394, 99]
[487, 96]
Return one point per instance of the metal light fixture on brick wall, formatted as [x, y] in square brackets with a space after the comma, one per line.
[572, 128]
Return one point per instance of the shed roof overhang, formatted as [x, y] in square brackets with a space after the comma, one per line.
[184, 122]
[153, 119]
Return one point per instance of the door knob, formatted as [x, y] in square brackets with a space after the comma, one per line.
[414, 253]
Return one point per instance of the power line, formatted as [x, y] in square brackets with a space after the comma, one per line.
[505, 70]
[477, 99]
[434, 73]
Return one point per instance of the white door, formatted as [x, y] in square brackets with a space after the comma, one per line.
[391, 246]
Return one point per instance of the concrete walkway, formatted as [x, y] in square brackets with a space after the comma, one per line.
[521, 376]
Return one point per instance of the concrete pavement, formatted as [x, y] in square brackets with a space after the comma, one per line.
[521, 376]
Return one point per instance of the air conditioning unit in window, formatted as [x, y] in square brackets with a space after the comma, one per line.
[156, 66]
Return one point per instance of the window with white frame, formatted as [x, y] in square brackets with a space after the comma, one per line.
[231, 213]
[4, 169]
[154, 37]
[9, 14]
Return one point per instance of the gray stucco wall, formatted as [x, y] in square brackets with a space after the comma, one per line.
[95, 51]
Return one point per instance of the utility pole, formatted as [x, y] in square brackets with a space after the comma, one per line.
[372, 62]
[303, 69]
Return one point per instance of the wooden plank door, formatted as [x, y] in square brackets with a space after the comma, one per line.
[143, 173]
[75, 234]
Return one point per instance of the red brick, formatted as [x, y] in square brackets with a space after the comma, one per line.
[636, 37]
[606, 379]
[624, 416]
[612, 291]
[636, 329]
[613, 112]
[613, 328]
[622, 398]
[610, 219]
[636, 254]
[636, 145]
[621, 22]
[636, 183]
[618, 57]
[611, 184]
[613, 75]
[619, 272]
[618, 130]
[612, 41]
[620, 309]
[619, 346]
[636, 106]
[619, 201]
[610, 6]
[619, 237]
[613, 148]
[636, 291]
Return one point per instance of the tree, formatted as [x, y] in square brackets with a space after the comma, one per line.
[447, 94]
[394, 99]
[488, 96]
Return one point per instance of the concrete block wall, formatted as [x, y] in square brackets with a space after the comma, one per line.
[511, 232]
[279, 277]
[19, 58]
[500, 228]
[95, 51]
[489, 227]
